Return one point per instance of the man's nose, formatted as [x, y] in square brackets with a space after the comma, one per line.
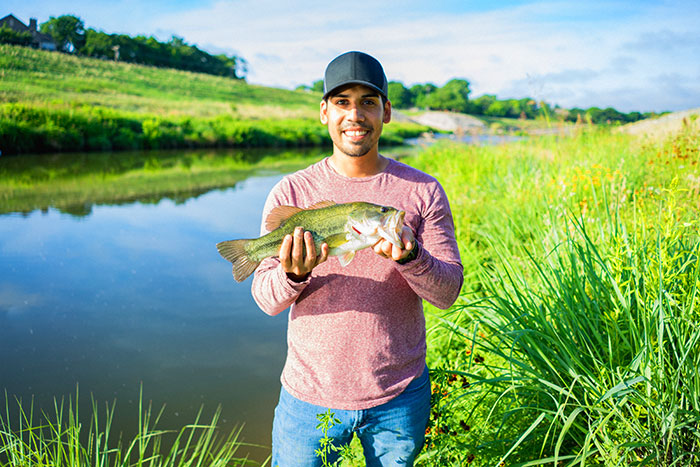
[356, 114]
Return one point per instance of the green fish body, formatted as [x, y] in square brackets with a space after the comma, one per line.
[346, 228]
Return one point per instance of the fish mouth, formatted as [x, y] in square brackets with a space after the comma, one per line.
[391, 228]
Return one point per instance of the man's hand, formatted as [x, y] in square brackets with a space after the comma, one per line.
[388, 250]
[295, 263]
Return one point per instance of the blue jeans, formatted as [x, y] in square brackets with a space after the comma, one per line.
[391, 434]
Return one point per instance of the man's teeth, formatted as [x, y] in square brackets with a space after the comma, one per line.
[355, 132]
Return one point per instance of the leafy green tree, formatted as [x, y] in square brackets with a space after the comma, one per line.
[10, 36]
[481, 103]
[317, 86]
[421, 93]
[400, 96]
[68, 32]
[496, 109]
[453, 96]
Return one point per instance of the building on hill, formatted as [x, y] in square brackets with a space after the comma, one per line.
[39, 39]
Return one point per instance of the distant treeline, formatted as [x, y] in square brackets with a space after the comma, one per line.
[70, 35]
[454, 97]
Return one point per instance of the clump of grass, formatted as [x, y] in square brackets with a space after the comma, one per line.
[61, 439]
[601, 351]
[574, 342]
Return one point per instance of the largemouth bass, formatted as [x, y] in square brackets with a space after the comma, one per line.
[346, 228]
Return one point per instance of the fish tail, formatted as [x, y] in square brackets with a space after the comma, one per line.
[234, 251]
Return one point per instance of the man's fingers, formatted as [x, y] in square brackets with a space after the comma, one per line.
[324, 253]
[286, 251]
[310, 249]
[298, 246]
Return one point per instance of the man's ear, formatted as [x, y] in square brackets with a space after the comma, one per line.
[324, 112]
[387, 111]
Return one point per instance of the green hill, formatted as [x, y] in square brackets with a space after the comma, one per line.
[65, 81]
[59, 102]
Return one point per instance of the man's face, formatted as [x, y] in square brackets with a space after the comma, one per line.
[355, 116]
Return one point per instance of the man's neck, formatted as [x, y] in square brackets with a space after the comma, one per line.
[357, 167]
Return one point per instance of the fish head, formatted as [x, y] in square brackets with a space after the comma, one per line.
[376, 222]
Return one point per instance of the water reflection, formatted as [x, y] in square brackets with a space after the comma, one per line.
[73, 183]
[127, 294]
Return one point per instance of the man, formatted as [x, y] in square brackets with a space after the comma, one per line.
[356, 334]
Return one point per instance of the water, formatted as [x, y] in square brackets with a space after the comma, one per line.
[136, 295]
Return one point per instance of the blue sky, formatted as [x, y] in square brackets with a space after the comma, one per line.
[631, 55]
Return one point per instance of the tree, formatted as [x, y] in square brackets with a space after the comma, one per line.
[400, 96]
[68, 32]
[10, 36]
[421, 93]
[482, 103]
[317, 86]
[453, 96]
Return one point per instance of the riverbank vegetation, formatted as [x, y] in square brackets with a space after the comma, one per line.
[59, 102]
[65, 438]
[575, 341]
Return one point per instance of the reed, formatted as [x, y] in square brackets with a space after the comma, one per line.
[65, 439]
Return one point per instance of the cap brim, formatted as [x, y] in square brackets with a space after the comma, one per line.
[355, 81]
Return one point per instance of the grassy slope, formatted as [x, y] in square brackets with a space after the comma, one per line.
[65, 81]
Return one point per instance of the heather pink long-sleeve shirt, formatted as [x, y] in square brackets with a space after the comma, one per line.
[356, 334]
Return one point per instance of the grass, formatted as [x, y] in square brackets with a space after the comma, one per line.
[64, 81]
[575, 341]
[63, 439]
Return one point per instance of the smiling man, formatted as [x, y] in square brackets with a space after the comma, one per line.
[356, 334]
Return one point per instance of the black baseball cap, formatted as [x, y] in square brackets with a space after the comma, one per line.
[354, 68]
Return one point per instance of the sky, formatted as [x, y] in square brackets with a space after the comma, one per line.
[637, 55]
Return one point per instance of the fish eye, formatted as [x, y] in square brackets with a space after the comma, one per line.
[384, 209]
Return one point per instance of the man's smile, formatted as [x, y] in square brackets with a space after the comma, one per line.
[356, 133]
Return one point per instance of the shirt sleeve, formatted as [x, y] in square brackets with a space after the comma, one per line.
[272, 290]
[436, 274]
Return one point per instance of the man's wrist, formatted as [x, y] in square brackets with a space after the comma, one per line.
[411, 255]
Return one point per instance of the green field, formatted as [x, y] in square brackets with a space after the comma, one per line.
[54, 102]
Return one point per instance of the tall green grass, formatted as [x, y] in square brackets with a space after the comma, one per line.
[576, 340]
[63, 438]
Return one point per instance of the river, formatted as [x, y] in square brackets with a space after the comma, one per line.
[135, 295]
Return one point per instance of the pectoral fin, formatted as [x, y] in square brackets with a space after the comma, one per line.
[346, 258]
[336, 241]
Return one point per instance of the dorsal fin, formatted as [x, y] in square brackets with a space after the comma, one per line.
[321, 204]
[278, 215]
